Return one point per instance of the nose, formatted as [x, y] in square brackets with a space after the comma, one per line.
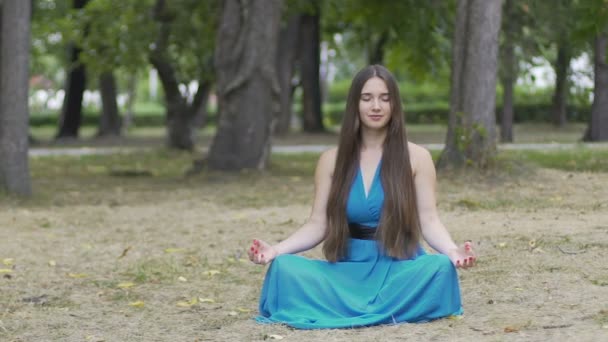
[376, 104]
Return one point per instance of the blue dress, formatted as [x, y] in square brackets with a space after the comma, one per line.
[366, 288]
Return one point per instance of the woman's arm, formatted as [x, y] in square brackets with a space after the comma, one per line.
[313, 231]
[433, 230]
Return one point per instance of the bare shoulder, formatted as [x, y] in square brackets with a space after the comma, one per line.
[420, 158]
[327, 160]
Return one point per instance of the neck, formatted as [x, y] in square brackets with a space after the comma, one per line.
[373, 139]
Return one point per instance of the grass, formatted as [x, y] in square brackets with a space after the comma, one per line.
[577, 159]
[153, 225]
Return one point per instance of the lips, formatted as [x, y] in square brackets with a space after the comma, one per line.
[376, 117]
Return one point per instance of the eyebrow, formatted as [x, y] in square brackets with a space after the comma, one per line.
[372, 94]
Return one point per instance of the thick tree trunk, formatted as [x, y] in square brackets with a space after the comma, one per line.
[109, 124]
[14, 88]
[598, 123]
[452, 154]
[509, 73]
[471, 134]
[71, 113]
[247, 85]
[179, 115]
[287, 53]
[560, 94]
[310, 62]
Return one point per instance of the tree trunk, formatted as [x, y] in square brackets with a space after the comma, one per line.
[287, 53]
[509, 73]
[376, 55]
[179, 115]
[71, 113]
[310, 62]
[560, 94]
[247, 86]
[199, 104]
[131, 95]
[14, 89]
[598, 123]
[109, 124]
[471, 137]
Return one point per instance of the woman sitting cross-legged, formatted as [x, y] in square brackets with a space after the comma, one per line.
[374, 202]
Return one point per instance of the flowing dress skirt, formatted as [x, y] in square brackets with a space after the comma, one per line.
[366, 288]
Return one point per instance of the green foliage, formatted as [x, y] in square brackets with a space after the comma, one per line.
[594, 18]
[414, 33]
[113, 34]
[117, 34]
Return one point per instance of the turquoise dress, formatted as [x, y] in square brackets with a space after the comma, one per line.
[366, 288]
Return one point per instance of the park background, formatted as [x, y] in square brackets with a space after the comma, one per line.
[145, 143]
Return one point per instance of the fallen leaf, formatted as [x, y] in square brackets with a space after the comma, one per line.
[52, 263]
[174, 250]
[243, 310]
[502, 245]
[124, 252]
[188, 304]
[206, 300]
[125, 285]
[243, 260]
[212, 272]
[8, 261]
[532, 244]
[5, 270]
[77, 275]
[182, 279]
[275, 337]
[137, 304]
[232, 313]
[511, 330]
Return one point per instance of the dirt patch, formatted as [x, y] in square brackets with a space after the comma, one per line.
[164, 260]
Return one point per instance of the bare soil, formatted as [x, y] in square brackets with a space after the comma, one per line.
[161, 258]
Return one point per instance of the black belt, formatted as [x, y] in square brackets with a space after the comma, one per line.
[361, 232]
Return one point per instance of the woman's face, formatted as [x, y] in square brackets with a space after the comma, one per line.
[374, 104]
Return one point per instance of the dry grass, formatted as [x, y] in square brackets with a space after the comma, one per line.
[102, 256]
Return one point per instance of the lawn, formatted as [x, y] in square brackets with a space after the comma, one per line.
[124, 247]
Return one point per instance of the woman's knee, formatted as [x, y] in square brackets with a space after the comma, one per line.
[443, 262]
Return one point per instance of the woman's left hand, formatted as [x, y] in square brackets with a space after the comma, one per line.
[463, 257]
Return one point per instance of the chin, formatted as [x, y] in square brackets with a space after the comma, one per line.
[377, 125]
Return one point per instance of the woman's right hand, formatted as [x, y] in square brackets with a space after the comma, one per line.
[260, 252]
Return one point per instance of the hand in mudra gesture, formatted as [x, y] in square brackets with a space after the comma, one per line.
[261, 252]
[463, 257]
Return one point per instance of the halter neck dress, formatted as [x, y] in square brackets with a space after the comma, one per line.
[366, 287]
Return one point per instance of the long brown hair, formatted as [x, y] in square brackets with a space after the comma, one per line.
[398, 232]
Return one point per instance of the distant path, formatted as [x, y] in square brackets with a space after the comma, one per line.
[288, 149]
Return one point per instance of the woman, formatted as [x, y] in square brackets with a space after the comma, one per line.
[374, 199]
